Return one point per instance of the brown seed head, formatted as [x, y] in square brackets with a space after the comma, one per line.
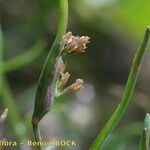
[64, 79]
[67, 37]
[76, 86]
[3, 115]
[75, 43]
[60, 66]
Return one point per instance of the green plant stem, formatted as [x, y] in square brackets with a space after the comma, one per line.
[46, 77]
[117, 115]
[37, 135]
[143, 141]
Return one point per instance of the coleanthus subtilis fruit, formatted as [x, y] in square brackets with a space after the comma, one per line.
[59, 77]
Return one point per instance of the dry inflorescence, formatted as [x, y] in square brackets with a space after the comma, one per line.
[70, 44]
[75, 44]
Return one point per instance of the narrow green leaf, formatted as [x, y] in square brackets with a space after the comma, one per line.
[117, 115]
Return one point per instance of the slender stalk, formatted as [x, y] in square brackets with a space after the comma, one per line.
[37, 135]
[143, 141]
[47, 76]
[117, 115]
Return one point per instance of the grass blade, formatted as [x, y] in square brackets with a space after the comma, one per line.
[117, 115]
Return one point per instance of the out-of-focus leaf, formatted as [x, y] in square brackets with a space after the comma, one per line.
[133, 15]
[1, 57]
[145, 138]
[123, 135]
[26, 58]
[13, 115]
[130, 17]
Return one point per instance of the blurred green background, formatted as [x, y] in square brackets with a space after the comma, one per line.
[116, 28]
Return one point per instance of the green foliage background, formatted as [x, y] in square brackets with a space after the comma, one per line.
[116, 28]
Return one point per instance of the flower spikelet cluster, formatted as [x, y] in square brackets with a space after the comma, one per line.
[69, 44]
